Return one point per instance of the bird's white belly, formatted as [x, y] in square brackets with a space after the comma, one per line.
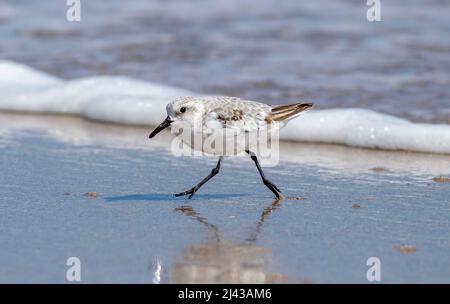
[225, 142]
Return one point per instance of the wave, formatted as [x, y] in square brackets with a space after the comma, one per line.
[123, 100]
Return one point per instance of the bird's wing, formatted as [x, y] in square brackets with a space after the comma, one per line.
[229, 112]
[287, 112]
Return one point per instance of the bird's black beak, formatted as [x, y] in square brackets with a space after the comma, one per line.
[166, 123]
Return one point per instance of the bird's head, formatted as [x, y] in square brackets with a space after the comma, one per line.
[182, 112]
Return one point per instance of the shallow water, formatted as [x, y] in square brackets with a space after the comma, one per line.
[320, 51]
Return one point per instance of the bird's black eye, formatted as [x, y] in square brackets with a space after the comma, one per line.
[183, 109]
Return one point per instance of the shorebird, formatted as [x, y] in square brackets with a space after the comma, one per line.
[234, 119]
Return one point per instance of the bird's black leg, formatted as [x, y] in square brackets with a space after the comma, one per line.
[266, 182]
[192, 191]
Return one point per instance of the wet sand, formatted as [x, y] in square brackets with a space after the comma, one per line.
[102, 193]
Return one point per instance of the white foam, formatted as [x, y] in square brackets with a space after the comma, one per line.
[368, 129]
[128, 101]
[105, 98]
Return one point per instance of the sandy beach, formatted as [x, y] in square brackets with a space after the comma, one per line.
[102, 193]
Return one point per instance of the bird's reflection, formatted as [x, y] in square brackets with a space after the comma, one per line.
[268, 210]
[221, 261]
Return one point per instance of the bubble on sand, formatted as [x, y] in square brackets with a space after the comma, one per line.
[91, 194]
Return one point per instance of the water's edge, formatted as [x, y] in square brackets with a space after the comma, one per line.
[123, 100]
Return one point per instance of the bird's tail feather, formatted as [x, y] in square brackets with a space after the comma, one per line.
[287, 112]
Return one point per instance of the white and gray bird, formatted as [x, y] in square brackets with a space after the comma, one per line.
[226, 122]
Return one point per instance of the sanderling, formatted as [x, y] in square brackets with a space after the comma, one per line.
[208, 114]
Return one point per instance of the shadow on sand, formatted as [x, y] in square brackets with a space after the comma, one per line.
[216, 259]
[168, 197]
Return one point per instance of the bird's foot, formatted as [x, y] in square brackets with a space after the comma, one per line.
[189, 192]
[273, 188]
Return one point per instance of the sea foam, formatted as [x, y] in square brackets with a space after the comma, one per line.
[124, 100]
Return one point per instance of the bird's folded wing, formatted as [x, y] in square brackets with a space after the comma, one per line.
[246, 117]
